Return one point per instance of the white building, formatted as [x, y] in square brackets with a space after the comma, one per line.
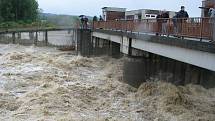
[144, 14]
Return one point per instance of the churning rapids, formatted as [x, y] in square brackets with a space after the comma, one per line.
[45, 84]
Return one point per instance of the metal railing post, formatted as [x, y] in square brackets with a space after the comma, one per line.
[46, 37]
[201, 22]
[13, 37]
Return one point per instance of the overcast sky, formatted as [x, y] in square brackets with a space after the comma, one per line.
[93, 7]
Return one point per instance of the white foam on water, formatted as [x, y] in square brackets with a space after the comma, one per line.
[47, 84]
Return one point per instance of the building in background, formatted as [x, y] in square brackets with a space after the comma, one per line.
[206, 5]
[113, 13]
[144, 14]
[133, 15]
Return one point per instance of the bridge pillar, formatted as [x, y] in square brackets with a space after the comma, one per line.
[138, 70]
[84, 42]
[115, 49]
[31, 35]
[46, 37]
[130, 47]
[36, 38]
[125, 45]
[19, 35]
[134, 72]
[13, 37]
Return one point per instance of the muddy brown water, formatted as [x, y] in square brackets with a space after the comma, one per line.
[45, 84]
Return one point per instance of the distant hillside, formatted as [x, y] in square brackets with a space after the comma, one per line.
[60, 20]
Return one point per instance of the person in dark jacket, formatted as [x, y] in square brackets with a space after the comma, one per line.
[182, 13]
[82, 21]
[95, 18]
[182, 16]
[86, 22]
[100, 18]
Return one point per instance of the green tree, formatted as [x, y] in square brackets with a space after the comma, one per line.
[18, 10]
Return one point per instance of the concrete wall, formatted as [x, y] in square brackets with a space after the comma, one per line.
[153, 67]
[84, 42]
[89, 45]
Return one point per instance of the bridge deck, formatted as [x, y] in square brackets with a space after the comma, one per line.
[189, 43]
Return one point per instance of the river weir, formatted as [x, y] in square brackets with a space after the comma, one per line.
[43, 83]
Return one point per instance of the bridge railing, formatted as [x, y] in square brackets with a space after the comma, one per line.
[201, 28]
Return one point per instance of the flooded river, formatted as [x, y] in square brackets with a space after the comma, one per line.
[45, 84]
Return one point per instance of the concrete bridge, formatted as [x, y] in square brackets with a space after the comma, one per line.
[188, 56]
[192, 60]
[183, 60]
[198, 53]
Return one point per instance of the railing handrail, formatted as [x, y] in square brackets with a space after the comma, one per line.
[155, 19]
[195, 27]
[11, 30]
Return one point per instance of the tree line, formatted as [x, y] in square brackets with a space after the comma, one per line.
[18, 10]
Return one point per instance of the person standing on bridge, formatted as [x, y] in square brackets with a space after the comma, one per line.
[82, 21]
[85, 22]
[95, 18]
[100, 18]
[182, 16]
[212, 16]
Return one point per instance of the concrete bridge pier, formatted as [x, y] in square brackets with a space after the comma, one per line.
[19, 35]
[153, 67]
[13, 37]
[94, 46]
[31, 35]
[84, 42]
[46, 37]
[36, 38]
[105, 47]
